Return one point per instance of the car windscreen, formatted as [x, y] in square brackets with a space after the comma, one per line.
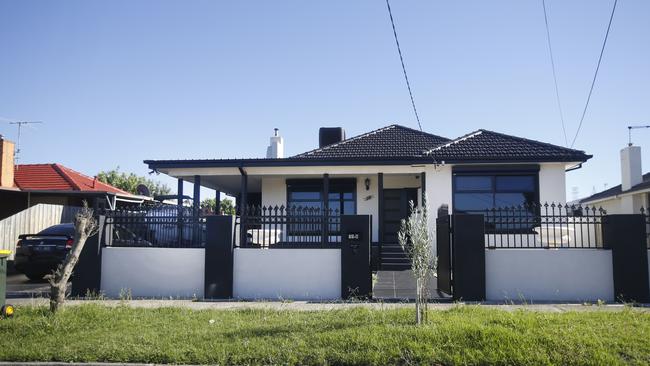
[62, 230]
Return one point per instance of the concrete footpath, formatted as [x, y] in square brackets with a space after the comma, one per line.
[316, 306]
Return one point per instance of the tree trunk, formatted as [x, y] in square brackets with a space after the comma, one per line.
[60, 278]
[418, 313]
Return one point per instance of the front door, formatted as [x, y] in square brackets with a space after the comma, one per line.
[395, 209]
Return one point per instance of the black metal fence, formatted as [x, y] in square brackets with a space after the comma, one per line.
[544, 226]
[286, 227]
[158, 226]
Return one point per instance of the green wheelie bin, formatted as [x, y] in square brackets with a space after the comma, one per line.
[6, 310]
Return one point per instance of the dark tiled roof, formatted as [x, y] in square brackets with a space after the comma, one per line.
[390, 142]
[616, 190]
[486, 146]
[397, 144]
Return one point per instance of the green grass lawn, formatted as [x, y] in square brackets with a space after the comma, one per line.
[462, 335]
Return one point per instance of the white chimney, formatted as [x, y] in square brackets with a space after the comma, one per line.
[631, 172]
[276, 146]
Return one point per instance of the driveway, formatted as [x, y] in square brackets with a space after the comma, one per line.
[18, 285]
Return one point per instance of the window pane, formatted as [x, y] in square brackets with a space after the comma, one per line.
[335, 205]
[304, 195]
[334, 196]
[348, 195]
[516, 183]
[473, 183]
[349, 208]
[472, 201]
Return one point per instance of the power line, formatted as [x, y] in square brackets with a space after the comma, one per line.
[593, 81]
[557, 90]
[399, 50]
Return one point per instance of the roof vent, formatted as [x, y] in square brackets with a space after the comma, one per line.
[330, 135]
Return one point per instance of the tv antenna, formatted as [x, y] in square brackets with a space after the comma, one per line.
[629, 132]
[20, 125]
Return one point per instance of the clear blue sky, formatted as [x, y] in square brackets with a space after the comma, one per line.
[117, 82]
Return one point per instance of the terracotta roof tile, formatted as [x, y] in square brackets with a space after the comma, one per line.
[56, 177]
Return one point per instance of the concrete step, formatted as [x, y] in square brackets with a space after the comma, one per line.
[395, 267]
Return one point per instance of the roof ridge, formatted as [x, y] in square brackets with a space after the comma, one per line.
[94, 179]
[61, 170]
[347, 140]
[455, 141]
[378, 130]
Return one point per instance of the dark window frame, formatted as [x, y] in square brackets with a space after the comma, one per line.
[336, 185]
[495, 172]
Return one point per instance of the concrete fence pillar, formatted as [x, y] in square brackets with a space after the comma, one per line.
[219, 254]
[626, 236]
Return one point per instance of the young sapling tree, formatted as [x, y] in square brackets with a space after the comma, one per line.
[416, 240]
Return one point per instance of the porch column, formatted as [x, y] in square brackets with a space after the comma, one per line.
[197, 195]
[423, 187]
[326, 207]
[179, 204]
[243, 195]
[217, 202]
[380, 214]
[197, 208]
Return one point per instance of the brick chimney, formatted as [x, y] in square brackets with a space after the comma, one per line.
[6, 163]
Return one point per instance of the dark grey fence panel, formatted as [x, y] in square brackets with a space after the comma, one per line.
[88, 271]
[443, 244]
[356, 274]
[219, 257]
[626, 236]
[468, 257]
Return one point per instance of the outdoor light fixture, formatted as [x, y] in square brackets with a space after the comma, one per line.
[367, 182]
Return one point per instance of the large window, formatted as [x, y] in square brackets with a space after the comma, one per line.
[475, 193]
[309, 193]
[303, 193]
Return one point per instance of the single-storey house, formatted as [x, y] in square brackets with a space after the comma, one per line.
[377, 173]
[634, 191]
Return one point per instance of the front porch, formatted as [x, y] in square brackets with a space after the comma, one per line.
[280, 209]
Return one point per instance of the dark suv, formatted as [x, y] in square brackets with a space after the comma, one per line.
[39, 254]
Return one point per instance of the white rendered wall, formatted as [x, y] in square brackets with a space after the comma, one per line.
[298, 274]
[153, 272]
[367, 201]
[438, 186]
[552, 183]
[549, 274]
[274, 191]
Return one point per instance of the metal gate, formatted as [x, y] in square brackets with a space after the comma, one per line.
[443, 243]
